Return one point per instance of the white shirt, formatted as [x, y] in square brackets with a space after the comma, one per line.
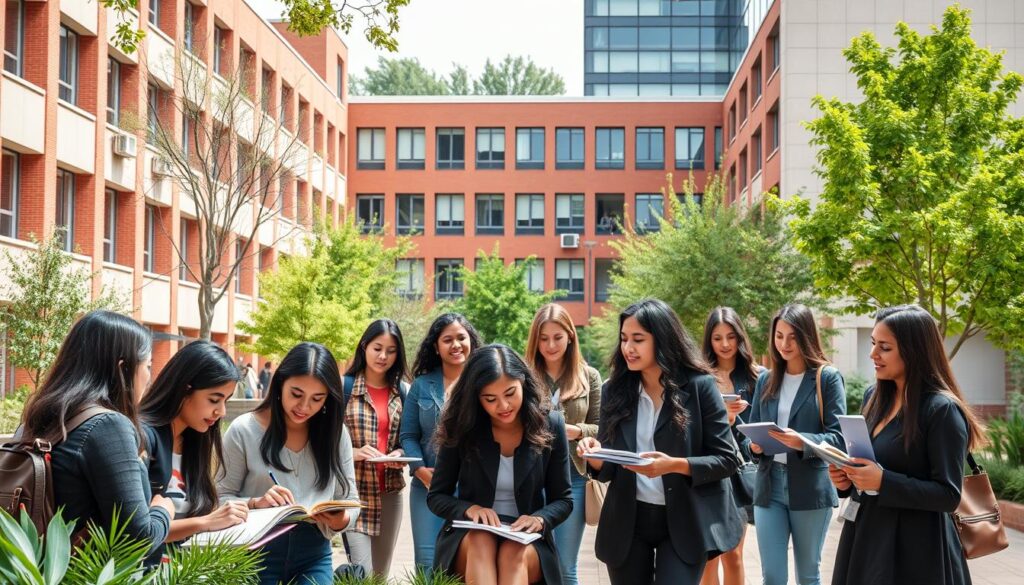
[650, 490]
[787, 393]
[176, 487]
[504, 489]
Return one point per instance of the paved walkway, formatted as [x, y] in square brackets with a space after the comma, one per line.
[1004, 568]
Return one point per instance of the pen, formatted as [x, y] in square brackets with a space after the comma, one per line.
[272, 478]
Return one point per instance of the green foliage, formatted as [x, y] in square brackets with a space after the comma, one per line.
[923, 185]
[11, 406]
[48, 293]
[1006, 435]
[856, 385]
[414, 316]
[702, 256]
[407, 76]
[518, 76]
[214, 563]
[498, 302]
[328, 296]
[410, 578]
[403, 77]
[1007, 480]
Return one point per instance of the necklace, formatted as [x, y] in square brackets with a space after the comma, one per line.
[295, 462]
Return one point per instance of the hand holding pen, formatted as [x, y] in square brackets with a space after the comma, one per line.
[278, 495]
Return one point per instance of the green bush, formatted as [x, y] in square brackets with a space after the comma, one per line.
[417, 578]
[856, 385]
[1006, 435]
[1007, 480]
[10, 409]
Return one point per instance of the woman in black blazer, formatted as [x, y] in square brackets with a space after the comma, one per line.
[905, 535]
[661, 522]
[509, 459]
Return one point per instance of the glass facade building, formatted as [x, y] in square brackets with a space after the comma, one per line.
[666, 47]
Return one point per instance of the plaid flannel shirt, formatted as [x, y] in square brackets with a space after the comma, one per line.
[361, 420]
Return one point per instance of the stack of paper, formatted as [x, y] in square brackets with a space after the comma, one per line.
[503, 531]
[620, 457]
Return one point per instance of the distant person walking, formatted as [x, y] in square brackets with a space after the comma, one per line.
[264, 379]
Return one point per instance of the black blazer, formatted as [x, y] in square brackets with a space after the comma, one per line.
[702, 517]
[542, 488]
[159, 449]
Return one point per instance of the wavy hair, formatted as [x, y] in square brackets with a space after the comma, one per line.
[573, 378]
[801, 319]
[427, 358]
[398, 370]
[744, 357]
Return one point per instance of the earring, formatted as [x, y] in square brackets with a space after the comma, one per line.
[324, 409]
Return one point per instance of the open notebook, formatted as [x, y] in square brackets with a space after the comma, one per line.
[268, 523]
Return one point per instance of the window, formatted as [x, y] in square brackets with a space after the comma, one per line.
[451, 148]
[602, 278]
[410, 217]
[450, 214]
[68, 66]
[650, 148]
[183, 250]
[743, 103]
[411, 146]
[569, 148]
[113, 91]
[732, 122]
[529, 148]
[340, 82]
[10, 186]
[611, 148]
[490, 214]
[109, 225]
[534, 274]
[529, 214]
[370, 212]
[448, 283]
[282, 108]
[370, 154]
[267, 90]
[189, 23]
[410, 277]
[148, 254]
[186, 132]
[610, 208]
[719, 147]
[154, 12]
[490, 148]
[743, 170]
[689, 148]
[773, 127]
[239, 252]
[152, 109]
[220, 45]
[569, 277]
[14, 36]
[755, 151]
[649, 207]
[66, 210]
[773, 42]
[755, 82]
[569, 214]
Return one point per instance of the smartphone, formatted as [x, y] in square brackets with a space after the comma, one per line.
[731, 397]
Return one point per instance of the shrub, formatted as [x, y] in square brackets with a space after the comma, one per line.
[856, 385]
[10, 410]
[1007, 480]
[1007, 435]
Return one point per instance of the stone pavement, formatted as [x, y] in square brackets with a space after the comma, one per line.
[1004, 568]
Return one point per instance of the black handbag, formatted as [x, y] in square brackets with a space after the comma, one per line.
[743, 480]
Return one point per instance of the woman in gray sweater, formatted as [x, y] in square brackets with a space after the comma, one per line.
[294, 448]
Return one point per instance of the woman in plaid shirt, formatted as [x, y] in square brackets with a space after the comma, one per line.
[373, 416]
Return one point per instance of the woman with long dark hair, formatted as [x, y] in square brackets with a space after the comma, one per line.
[100, 371]
[574, 388]
[442, 355]
[373, 416]
[793, 497]
[726, 349]
[921, 430]
[294, 448]
[180, 416]
[509, 460]
[661, 522]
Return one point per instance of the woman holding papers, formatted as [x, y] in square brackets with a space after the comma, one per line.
[439, 362]
[662, 521]
[294, 448]
[553, 353]
[793, 496]
[373, 415]
[508, 458]
[921, 430]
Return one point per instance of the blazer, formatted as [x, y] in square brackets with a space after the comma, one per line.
[582, 411]
[702, 518]
[159, 449]
[420, 414]
[809, 485]
[542, 488]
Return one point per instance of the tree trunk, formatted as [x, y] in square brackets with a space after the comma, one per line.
[206, 308]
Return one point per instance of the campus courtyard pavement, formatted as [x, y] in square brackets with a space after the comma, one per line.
[1003, 568]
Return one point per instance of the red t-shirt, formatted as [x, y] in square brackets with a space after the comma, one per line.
[380, 397]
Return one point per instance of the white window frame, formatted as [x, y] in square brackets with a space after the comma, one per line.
[11, 167]
[149, 241]
[450, 213]
[110, 226]
[67, 66]
[526, 206]
[14, 63]
[567, 221]
[412, 147]
[65, 217]
[571, 271]
[113, 91]
[411, 274]
[370, 148]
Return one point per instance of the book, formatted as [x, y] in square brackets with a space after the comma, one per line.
[396, 459]
[265, 524]
[758, 433]
[619, 457]
[504, 531]
[856, 436]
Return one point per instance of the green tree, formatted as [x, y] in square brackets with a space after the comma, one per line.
[328, 296]
[398, 77]
[47, 294]
[923, 185]
[498, 302]
[518, 76]
[705, 255]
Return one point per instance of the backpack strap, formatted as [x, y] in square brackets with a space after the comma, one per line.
[83, 415]
[821, 404]
[349, 383]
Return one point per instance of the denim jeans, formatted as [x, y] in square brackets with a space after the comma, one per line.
[301, 555]
[425, 527]
[569, 534]
[774, 526]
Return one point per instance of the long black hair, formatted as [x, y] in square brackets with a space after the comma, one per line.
[398, 370]
[96, 365]
[745, 363]
[926, 370]
[801, 319]
[325, 426]
[200, 365]
[676, 354]
[463, 416]
[427, 358]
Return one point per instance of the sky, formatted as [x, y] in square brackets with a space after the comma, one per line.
[468, 32]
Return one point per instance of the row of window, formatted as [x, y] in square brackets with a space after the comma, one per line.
[570, 148]
[663, 7]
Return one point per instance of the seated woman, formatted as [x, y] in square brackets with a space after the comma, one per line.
[509, 459]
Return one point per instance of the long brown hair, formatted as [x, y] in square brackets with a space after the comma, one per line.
[572, 380]
[745, 363]
[926, 371]
[800, 318]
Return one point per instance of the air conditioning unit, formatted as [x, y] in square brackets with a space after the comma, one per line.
[125, 145]
[162, 167]
[570, 240]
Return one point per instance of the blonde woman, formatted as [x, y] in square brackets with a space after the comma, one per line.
[553, 353]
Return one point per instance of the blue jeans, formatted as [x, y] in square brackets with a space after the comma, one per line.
[301, 555]
[774, 526]
[569, 534]
[425, 527]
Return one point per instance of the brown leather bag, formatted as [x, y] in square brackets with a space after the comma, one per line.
[977, 518]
